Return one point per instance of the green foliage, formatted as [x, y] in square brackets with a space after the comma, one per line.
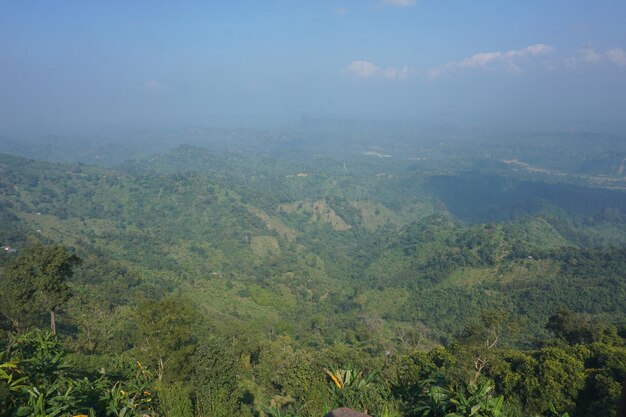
[234, 281]
[45, 389]
[49, 386]
[479, 402]
[573, 328]
[12, 383]
[133, 397]
[166, 336]
[277, 412]
[353, 389]
[216, 381]
[441, 402]
[297, 379]
[175, 401]
[37, 280]
[10, 375]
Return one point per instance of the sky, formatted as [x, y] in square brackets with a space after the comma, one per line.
[96, 64]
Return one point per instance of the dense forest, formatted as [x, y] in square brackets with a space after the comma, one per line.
[278, 275]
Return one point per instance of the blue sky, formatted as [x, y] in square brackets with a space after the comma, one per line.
[181, 63]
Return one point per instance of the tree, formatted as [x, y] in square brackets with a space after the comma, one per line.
[166, 334]
[17, 299]
[573, 328]
[481, 337]
[38, 279]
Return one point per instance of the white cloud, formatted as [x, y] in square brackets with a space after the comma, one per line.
[365, 69]
[399, 3]
[494, 60]
[362, 69]
[154, 85]
[589, 56]
[396, 73]
[617, 56]
[341, 11]
[536, 49]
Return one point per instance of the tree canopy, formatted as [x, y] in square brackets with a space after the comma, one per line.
[37, 280]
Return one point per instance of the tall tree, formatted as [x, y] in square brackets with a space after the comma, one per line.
[167, 335]
[38, 280]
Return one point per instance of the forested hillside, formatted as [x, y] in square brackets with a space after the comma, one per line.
[200, 282]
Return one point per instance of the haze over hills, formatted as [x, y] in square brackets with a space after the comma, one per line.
[381, 246]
